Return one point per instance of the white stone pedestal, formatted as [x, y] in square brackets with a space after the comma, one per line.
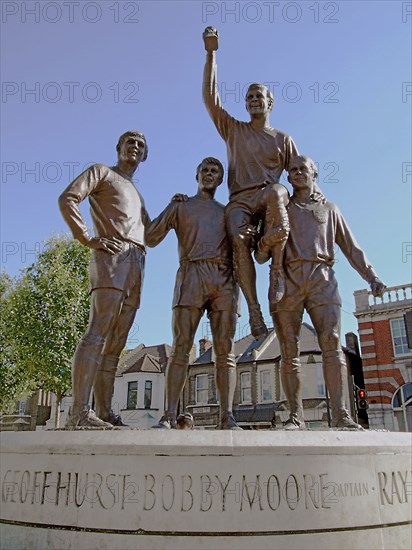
[127, 489]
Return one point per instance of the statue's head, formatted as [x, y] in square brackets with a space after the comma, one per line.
[139, 137]
[211, 161]
[259, 99]
[302, 172]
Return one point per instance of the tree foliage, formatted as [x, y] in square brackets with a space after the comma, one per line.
[13, 382]
[46, 314]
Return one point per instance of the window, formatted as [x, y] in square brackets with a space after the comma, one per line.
[202, 388]
[148, 394]
[400, 344]
[245, 388]
[402, 407]
[320, 380]
[265, 386]
[132, 395]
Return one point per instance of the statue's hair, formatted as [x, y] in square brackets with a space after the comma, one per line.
[136, 134]
[269, 94]
[308, 160]
[211, 160]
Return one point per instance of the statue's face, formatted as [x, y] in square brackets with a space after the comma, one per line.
[257, 102]
[301, 174]
[209, 176]
[132, 149]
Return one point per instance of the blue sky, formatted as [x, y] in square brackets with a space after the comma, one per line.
[75, 75]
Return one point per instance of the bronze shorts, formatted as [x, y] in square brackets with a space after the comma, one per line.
[123, 271]
[250, 206]
[206, 285]
[308, 285]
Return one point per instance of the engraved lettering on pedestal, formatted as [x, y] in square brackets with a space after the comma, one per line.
[323, 496]
[181, 493]
[60, 487]
[256, 492]
[151, 480]
[16, 486]
[349, 490]
[7, 487]
[78, 489]
[35, 489]
[98, 492]
[273, 488]
[224, 489]
[187, 491]
[111, 489]
[311, 491]
[393, 485]
[124, 487]
[405, 484]
[45, 485]
[206, 492]
[292, 494]
[171, 491]
[24, 485]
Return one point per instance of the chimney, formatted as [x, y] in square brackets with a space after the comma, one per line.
[192, 354]
[204, 345]
[352, 342]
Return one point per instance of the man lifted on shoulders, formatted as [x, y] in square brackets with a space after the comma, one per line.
[257, 155]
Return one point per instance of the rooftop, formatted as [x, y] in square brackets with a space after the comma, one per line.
[145, 359]
[266, 349]
[394, 297]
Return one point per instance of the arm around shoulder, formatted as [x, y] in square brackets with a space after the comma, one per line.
[157, 229]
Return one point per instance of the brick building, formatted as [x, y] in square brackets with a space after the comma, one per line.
[387, 356]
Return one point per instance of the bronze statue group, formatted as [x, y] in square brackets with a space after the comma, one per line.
[296, 234]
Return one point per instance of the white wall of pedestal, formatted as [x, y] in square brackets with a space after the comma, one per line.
[205, 489]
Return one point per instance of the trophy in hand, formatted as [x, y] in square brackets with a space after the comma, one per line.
[210, 37]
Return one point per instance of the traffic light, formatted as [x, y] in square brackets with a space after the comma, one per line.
[362, 400]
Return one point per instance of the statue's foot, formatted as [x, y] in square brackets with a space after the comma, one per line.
[86, 419]
[166, 423]
[114, 419]
[257, 324]
[346, 422]
[293, 423]
[229, 423]
[276, 284]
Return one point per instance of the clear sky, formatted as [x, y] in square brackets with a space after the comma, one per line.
[78, 74]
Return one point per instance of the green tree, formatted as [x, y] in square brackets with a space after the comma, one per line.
[13, 382]
[49, 307]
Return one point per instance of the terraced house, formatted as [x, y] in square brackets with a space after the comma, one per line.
[259, 400]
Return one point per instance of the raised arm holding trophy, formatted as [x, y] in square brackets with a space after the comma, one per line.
[257, 155]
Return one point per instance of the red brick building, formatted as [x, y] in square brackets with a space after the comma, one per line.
[387, 356]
